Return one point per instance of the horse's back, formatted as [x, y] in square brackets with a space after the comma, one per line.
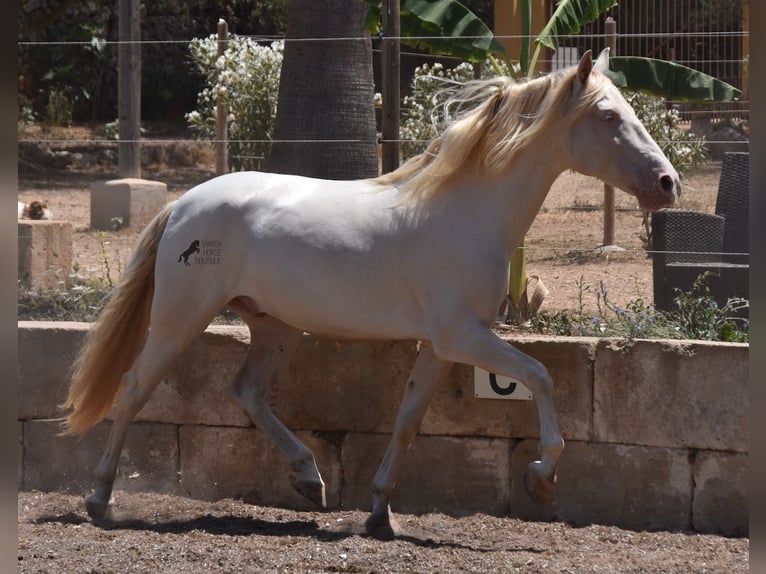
[321, 255]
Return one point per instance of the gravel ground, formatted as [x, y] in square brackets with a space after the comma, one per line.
[159, 533]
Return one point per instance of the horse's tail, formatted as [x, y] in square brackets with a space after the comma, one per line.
[115, 339]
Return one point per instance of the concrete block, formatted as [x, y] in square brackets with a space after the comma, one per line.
[721, 494]
[200, 380]
[46, 352]
[148, 462]
[135, 201]
[455, 410]
[672, 394]
[632, 487]
[453, 475]
[339, 386]
[45, 253]
[231, 462]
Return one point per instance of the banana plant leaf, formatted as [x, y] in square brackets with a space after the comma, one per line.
[669, 80]
[569, 17]
[443, 27]
[526, 34]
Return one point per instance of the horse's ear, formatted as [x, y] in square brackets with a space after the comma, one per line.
[584, 67]
[602, 62]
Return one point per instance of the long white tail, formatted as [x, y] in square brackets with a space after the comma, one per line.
[115, 339]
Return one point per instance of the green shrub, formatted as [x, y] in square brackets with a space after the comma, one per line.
[698, 316]
[684, 150]
[58, 110]
[247, 76]
[695, 316]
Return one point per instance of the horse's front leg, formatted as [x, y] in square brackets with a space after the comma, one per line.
[475, 344]
[423, 381]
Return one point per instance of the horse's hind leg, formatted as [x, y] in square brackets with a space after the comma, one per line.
[271, 346]
[427, 374]
[155, 359]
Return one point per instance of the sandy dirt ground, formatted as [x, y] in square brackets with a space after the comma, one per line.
[157, 533]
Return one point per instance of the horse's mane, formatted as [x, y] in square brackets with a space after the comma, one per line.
[496, 119]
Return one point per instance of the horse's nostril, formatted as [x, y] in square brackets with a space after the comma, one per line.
[666, 183]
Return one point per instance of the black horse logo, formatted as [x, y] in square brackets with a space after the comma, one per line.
[194, 247]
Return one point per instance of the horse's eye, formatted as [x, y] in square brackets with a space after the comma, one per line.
[609, 115]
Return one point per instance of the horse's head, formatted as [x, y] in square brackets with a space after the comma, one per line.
[609, 142]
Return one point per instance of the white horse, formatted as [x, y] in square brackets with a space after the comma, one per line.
[421, 253]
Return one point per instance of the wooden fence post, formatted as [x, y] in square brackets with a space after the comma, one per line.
[390, 81]
[609, 215]
[129, 89]
[221, 127]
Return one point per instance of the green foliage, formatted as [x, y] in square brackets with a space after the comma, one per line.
[699, 317]
[58, 111]
[566, 20]
[112, 130]
[89, 69]
[636, 320]
[247, 77]
[80, 300]
[568, 17]
[696, 316]
[684, 150]
[668, 79]
[444, 27]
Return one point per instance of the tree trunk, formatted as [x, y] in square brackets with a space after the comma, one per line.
[326, 93]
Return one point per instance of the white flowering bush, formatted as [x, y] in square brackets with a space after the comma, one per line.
[423, 115]
[247, 76]
[684, 150]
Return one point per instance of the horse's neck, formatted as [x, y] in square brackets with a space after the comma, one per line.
[517, 198]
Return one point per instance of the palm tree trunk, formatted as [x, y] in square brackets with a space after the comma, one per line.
[326, 93]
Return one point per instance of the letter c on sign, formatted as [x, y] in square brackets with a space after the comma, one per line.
[503, 392]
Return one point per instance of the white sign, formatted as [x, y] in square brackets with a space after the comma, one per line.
[490, 386]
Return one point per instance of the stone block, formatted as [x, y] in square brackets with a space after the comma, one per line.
[134, 201]
[327, 386]
[632, 487]
[200, 378]
[341, 386]
[455, 410]
[45, 253]
[721, 494]
[46, 352]
[672, 394]
[232, 462]
[458, 476]
[148, 462]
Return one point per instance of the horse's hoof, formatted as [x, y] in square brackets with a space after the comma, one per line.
[313, 490]
[382, 526]
[539, 487]
[97, 508]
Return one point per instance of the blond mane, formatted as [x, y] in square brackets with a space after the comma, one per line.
[497, 118]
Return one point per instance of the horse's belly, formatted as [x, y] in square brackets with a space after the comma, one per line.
[335, 300]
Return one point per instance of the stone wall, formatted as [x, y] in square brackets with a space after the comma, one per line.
[657, 431]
